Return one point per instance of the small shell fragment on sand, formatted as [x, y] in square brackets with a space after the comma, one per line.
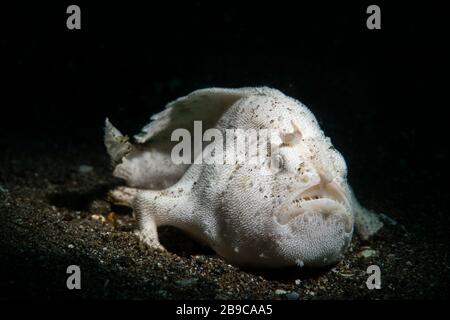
[83, 169]
[367, 253]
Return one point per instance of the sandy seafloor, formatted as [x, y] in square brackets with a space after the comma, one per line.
[53, 215]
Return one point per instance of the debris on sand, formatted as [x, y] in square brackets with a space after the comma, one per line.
[292, 295]
[98, 217]
[111, 217]
[388, 219]
[84, 169]
[280, 292]
[367, 253]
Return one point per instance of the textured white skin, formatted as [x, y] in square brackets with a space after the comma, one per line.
[250, 214]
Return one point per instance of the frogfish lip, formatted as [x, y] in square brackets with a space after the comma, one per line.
[325, 199]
